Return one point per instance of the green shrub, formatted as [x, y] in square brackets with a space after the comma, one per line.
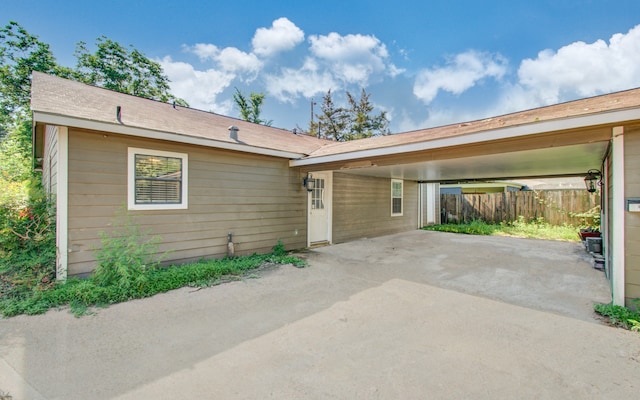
[623, 317]
[27, 240]
[589, 218]
[125, 255]
[279, 249]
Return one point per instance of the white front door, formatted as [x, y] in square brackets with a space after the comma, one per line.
[319, 206]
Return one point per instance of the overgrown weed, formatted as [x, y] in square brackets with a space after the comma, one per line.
[537, 228]
[624, 317]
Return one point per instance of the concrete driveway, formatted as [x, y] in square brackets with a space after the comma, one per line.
[414, 315]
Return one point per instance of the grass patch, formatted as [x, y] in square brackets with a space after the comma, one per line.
[538, 229]
[623, 317]
[83, 295]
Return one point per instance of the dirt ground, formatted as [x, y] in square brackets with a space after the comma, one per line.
[414, 315]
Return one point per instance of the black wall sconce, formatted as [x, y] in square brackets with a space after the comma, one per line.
[592, 180]
[309, 183]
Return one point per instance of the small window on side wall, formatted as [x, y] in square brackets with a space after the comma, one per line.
[157, 180]
[396, 197]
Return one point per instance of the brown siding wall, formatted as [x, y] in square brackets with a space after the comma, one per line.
[258, 198]
[632, 219]
[362, 207]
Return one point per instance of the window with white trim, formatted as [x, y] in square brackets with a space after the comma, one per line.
[157, 180]
[396, 197]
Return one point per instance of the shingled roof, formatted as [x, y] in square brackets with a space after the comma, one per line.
[56, 96]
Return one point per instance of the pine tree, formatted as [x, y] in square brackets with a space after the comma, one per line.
[343, 124]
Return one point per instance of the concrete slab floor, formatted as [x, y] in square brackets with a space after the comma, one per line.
[413, 315]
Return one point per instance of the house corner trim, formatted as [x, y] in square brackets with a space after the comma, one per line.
[62, 204]
[617, 217]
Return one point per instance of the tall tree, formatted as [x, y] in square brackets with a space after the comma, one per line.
[15, 153]
[354, 122]
[362, 124]
[115, 67]
[21, 53]
[250, 108]
[332, 121]
[112, 66]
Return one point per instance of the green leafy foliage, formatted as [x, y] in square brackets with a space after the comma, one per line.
[27, 242]
[279, 249]
[117, 68]
[251, 108]
[20, 54]
[623, 317]
[589, 218]
[111, 65]
[15, 153]
[537, 228]
[125, 255]
[82, 294]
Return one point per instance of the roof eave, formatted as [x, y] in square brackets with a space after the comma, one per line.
[56, 119]
[576, 122]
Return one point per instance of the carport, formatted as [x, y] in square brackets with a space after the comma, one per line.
[568, 139]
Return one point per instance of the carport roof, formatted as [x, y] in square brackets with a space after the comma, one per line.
[558, 140]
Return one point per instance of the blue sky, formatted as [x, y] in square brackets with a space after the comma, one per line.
[427, 63]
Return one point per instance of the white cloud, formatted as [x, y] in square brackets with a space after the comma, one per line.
[574, 71]
[232, 59]
[306, 81]
[460, 74]
[229, 59]
[583, 70]
[204, 51]
[352, 58]
[350, 47]
[199, 88]
[395, 71]
[282, 36]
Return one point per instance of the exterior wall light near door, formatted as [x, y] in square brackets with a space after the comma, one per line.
[309, 182]
[592, 180]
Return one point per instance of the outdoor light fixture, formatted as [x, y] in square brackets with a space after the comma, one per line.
[592, 180]
[309, 182]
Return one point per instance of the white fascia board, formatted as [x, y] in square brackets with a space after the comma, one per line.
[61, 120]
[478, 137]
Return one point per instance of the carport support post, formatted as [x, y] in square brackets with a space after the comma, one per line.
[617, 215]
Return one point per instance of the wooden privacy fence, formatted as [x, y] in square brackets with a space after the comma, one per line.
[557, 207]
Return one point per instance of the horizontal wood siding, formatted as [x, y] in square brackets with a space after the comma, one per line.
[50, 160]
[258, 198]
[362, 207]
[632, 219]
